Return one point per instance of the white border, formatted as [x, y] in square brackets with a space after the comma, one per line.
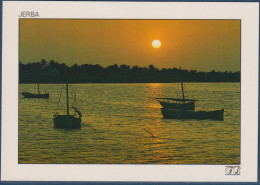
[247, 12]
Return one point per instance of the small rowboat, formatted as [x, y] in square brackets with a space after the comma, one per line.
[188, 114]
[31, 95]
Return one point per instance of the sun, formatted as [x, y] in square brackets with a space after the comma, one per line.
[156, 43]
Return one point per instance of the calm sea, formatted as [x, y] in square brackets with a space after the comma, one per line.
[115, 117]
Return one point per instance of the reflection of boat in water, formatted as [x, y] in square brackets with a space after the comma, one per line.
[39, 95]
[68, 120]
[177, 103]
[174, 103]
[188, 114]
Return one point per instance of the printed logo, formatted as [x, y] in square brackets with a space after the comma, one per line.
[232, 170]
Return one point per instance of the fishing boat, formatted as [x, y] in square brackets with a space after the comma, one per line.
[67, 121]
[177, 103]
[39, 95]
[189, 114]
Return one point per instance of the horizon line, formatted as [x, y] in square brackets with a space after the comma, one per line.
[131, 66]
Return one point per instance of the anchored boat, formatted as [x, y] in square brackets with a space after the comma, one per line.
[177, 103]
[32, 95]
[67, 121]
[183, 108]
[188, 114]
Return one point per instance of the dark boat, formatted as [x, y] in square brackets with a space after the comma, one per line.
[174, 103]
[188, 114]
[177, 103]
[67, 121]
[30, 95]
[39, 95]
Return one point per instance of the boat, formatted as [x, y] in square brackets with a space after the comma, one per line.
[67, 121]
[30, 95]
[39, 95]
[177, 103]
[190, 114]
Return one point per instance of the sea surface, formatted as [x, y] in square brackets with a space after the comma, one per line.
[116, 118]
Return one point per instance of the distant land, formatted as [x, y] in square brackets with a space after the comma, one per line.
[54, 72]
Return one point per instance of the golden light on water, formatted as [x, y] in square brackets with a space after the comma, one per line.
[154, 90]
[156, 43]
[116, 119]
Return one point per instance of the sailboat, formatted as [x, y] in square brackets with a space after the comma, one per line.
[39, 95]
[177, 103]
[67, 121]
[184, 109]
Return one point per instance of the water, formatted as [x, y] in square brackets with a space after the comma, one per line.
[114, 119]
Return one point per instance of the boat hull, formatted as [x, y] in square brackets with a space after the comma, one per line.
[30, 95]
[182, 106]
[66, 121]
[187, 114]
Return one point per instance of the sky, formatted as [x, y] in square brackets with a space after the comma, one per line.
[202, 45]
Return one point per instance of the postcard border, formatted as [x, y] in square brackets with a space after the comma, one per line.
[61, 182]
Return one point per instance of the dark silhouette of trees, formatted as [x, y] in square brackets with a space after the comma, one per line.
[54, 72]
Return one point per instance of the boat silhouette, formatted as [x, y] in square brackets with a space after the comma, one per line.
[35, 95]
[177, 103]
[189, 114]
[67, 121]
[185, 109]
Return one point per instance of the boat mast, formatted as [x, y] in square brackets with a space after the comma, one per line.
[182, 89]
[39, 89]
[182, 92]
[67, 92]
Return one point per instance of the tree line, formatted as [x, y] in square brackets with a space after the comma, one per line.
[54, 72]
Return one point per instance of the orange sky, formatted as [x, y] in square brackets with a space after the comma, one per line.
[203, 45]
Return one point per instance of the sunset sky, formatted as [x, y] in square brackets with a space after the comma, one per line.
[202, 45]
